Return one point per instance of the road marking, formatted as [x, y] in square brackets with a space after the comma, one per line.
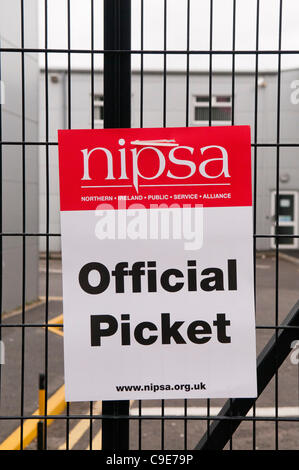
[79, 430]
[56, 329]
[97, 440]
[50, 271]
[269, 412]
[289, 258]
[51, 297]
[56, 405]
[76, 433]
[19, 310]
[263, 266]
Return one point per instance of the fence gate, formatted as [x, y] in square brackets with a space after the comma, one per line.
[204, 81]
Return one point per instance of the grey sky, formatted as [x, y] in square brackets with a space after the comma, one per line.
[177, 31]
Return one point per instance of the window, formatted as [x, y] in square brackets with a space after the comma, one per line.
[287, 218]
[221, 109]
[98, 110]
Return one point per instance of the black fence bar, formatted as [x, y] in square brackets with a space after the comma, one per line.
[1, 216]
[24, 208]
[125, 51]
[277, 219]
[268, 363]
[117, 114]
[1, 199]
[47, 280]
[117, 67]
[255, 153]
[76, 416]
[69, 126]
[92, 76]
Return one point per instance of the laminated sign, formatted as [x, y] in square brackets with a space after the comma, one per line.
[157, 257]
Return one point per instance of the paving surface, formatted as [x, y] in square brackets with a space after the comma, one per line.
[147, 433]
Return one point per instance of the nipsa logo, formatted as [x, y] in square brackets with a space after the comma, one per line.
[157, 161]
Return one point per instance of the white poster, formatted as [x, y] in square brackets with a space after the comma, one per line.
[157, 253]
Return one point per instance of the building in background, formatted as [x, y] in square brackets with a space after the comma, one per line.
[197, 114]
[19, 122]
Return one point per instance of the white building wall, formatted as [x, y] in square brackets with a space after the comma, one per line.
[11, 110]
[176, 116]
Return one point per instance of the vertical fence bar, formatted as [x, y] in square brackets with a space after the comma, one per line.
[1, 217]
[277, 220]
[47, 218]
[141, 125]
[233, 62]
[210, 123]
[1, 225]
[141, 61]
[69, 125]
[23, 225]
[92, 126]
[164, 62]
[257, 26]
[233, 92]
[187, 124]
[117, 114]
[164, 125]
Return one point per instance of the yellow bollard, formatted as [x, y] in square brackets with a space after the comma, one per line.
[42, 410]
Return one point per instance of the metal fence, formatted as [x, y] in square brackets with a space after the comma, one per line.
[119, 427]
